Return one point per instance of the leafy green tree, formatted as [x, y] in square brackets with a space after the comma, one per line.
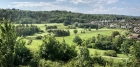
[83, 58]
[54, 50]
[22, 53]
[135, 52]
[77, 40]
[125, 46]
[114, 33]
[117, 41]
[75, 31]
[7, 42]
[89, 28]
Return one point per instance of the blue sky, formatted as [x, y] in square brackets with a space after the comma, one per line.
[121, 7]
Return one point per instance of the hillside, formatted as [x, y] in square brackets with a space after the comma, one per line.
[22, 16]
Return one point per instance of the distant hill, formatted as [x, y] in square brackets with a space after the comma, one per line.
[22, 16]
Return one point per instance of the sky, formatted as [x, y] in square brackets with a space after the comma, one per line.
[119, 7]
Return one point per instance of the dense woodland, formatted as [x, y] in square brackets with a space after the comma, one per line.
[67, 17]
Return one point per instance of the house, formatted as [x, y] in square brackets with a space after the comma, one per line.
[134, 36]
[128, 26]
[136, 30]
[113, 25]
[123, 27]
[94, 22]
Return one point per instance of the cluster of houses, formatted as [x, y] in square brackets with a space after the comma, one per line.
[124, 26]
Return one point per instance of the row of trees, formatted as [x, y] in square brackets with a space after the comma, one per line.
[51, 27]
[27, 29]
[22, 16]
[59, 33]
[87, 26]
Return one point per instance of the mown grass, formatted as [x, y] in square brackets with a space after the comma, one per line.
[68, 39]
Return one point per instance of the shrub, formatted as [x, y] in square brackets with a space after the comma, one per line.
[77, 40]
[29, 42]
[111, 53]
[115, 33]
[51, 27]
[38, 37]
[59, 33]
[22, 54]
[54, 50]
[89, 46]
[98, 60]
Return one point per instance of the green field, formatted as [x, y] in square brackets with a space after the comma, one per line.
[68, 39]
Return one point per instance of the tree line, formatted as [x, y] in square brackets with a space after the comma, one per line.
[25, 29]
[56, 16]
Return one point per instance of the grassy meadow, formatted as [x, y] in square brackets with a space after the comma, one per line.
[68, 39]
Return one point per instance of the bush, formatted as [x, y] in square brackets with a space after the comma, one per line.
[38, 37]
[77, 40]
[51, 27]
[71, 27]
[111, 53]
[98, 60]
[59, 33]
[54, 50]
[35, 60]
[22, 54]
[29, 42]
[115, 33]
[41, 31]
[89, 46]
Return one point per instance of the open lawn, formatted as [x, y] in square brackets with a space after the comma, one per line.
[68, 39]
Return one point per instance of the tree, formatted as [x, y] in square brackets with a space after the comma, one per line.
[77, 40]
[75, 31]
[118, 41]
[22, 53]
[135, 52]
[125, 46]
[89, 29]
[54, 50]
[114, 33]
[83, 58]
[7, 42]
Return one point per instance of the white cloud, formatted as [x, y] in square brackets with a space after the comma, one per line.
[109, 10]
[89, 1]
[115, 10]
[31, 4]
[41, 6]
[111, 1]
[137, 9]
